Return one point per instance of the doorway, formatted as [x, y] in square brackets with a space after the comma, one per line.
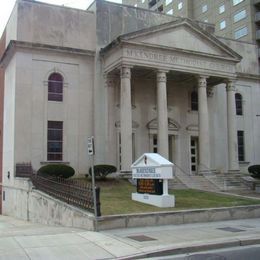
[171, 141]
[194, 154]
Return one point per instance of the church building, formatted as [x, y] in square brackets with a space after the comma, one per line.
[137, 80]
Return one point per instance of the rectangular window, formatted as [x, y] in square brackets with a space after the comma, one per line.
[241, 33]
[222, 25]
[55, 141]
[204, 8]
[180, 5]
[241, 146]
[221, 9]
[170, 12]
[239, 16]
[167, 2]
[236, 2]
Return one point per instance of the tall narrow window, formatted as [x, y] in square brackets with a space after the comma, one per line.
[194, 101]
[239, 104]
[55, 141]
[241, 146]
[55, 87]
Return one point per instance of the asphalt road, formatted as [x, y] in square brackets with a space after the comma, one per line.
[233, 253]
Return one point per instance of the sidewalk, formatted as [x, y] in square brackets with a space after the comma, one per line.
[23, 240]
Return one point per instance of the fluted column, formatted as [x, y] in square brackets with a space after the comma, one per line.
[126, 119]
[111, 83]
[204, 148]
[162, 115]
[231, 127]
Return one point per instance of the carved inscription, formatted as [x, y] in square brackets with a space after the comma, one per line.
[177, 60]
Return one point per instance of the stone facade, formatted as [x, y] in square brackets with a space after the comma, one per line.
[129, 76]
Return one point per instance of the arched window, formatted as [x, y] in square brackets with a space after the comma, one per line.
[194, 101]
[239, 104]
[55, 87]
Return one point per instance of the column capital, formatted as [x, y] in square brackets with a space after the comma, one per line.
[161, 75]
[125, 71]
[230, 85]
[202, 81]
[210, 91]
[110, 80]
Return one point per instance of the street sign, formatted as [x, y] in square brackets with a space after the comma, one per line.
[91, 150]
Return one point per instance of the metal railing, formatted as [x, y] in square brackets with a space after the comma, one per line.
[74, 192]
[23, 170]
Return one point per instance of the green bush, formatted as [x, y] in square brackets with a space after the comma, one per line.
[102, 170]
[57, 170]
[255, 171]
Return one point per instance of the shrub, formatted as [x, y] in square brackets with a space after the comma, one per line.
[102, 170]
[255, 171]
[57, 170]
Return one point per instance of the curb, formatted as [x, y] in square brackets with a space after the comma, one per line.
[195, 248]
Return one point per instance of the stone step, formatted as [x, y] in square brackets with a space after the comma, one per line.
[228, 182]
[197, 182]
[176, 184]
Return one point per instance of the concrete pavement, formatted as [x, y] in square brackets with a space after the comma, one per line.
[24, 240]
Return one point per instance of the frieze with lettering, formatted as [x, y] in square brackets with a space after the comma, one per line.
[176, 59]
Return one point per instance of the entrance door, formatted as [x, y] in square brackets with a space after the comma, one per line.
[194, 154]
[171, 148]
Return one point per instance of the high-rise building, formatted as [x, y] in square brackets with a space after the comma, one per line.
[235, 19]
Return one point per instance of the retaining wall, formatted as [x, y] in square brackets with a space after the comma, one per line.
[24, 202]
[178, 217]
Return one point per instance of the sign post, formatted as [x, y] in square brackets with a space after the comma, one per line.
[91, 152]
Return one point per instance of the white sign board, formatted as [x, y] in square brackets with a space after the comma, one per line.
[152, 166]
[91, 145]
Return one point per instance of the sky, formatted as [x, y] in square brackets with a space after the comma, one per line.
[6, 7]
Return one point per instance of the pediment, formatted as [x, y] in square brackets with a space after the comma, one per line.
[184, 35]
[172, 125]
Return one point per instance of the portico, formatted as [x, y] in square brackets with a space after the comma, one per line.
[159, 53]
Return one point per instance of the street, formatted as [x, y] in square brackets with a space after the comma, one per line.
[233, 253]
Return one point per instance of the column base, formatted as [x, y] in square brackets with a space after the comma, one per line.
[125, 174]
[233, 171]
[205, 172]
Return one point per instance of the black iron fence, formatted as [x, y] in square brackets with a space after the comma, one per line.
[74, 192]
[23, 170]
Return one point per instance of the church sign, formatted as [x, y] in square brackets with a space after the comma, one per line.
[152, 172]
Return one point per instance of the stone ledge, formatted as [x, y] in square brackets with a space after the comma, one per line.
[178, 217]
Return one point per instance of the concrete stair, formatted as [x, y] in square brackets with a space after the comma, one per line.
[198, 182]
[228, 181]
[177, 184]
